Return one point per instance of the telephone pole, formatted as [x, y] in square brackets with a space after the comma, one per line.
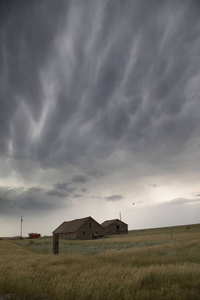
[21, 227]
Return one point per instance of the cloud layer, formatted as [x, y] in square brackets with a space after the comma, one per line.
[96, 95]
[83, 79]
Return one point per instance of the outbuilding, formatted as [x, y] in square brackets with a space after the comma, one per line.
[84, 229]
[115, 226]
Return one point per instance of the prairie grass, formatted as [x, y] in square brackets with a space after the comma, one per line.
[151, 266]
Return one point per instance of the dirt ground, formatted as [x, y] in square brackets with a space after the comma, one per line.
[15, 297]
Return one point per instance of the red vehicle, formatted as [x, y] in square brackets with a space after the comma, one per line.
[34, 235]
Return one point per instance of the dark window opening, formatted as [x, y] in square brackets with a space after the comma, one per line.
[83, 232]
[117, 227]
[90, 225]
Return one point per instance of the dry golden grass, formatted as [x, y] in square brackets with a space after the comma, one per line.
[167, 270]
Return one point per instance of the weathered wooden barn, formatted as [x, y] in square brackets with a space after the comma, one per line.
[115, 226]
[85, 229]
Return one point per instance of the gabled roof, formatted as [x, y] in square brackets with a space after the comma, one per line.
[72, 226]
[109, 222]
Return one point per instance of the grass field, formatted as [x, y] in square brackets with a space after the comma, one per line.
[140, 265]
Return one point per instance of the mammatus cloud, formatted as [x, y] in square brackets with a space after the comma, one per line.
[91, 78]
[114, 198]
[97, 90]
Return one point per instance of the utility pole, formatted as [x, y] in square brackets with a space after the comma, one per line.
[120, 216]
[21, 227]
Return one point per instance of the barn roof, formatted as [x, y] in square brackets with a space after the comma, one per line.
[72, 226]
[109, 222]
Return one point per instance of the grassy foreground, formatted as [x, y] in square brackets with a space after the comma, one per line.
[140, 265]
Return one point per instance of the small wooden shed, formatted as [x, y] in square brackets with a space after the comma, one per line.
[115, 226]
[85, 229]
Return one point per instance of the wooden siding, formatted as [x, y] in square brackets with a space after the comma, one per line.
[90, 230]
[68, 235]
[85, 228]
[116, 227]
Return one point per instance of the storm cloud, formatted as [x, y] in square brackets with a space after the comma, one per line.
[79, 179]
[81, 79]
[29, 200]
[98, 93]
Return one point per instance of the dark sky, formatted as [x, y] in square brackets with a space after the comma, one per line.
[100, 105]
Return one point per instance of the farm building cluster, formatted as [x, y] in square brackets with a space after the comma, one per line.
[87, 228]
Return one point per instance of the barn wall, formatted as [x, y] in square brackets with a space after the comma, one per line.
[90, 230]
[68, 235]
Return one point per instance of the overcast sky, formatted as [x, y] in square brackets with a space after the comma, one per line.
[99, 113]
